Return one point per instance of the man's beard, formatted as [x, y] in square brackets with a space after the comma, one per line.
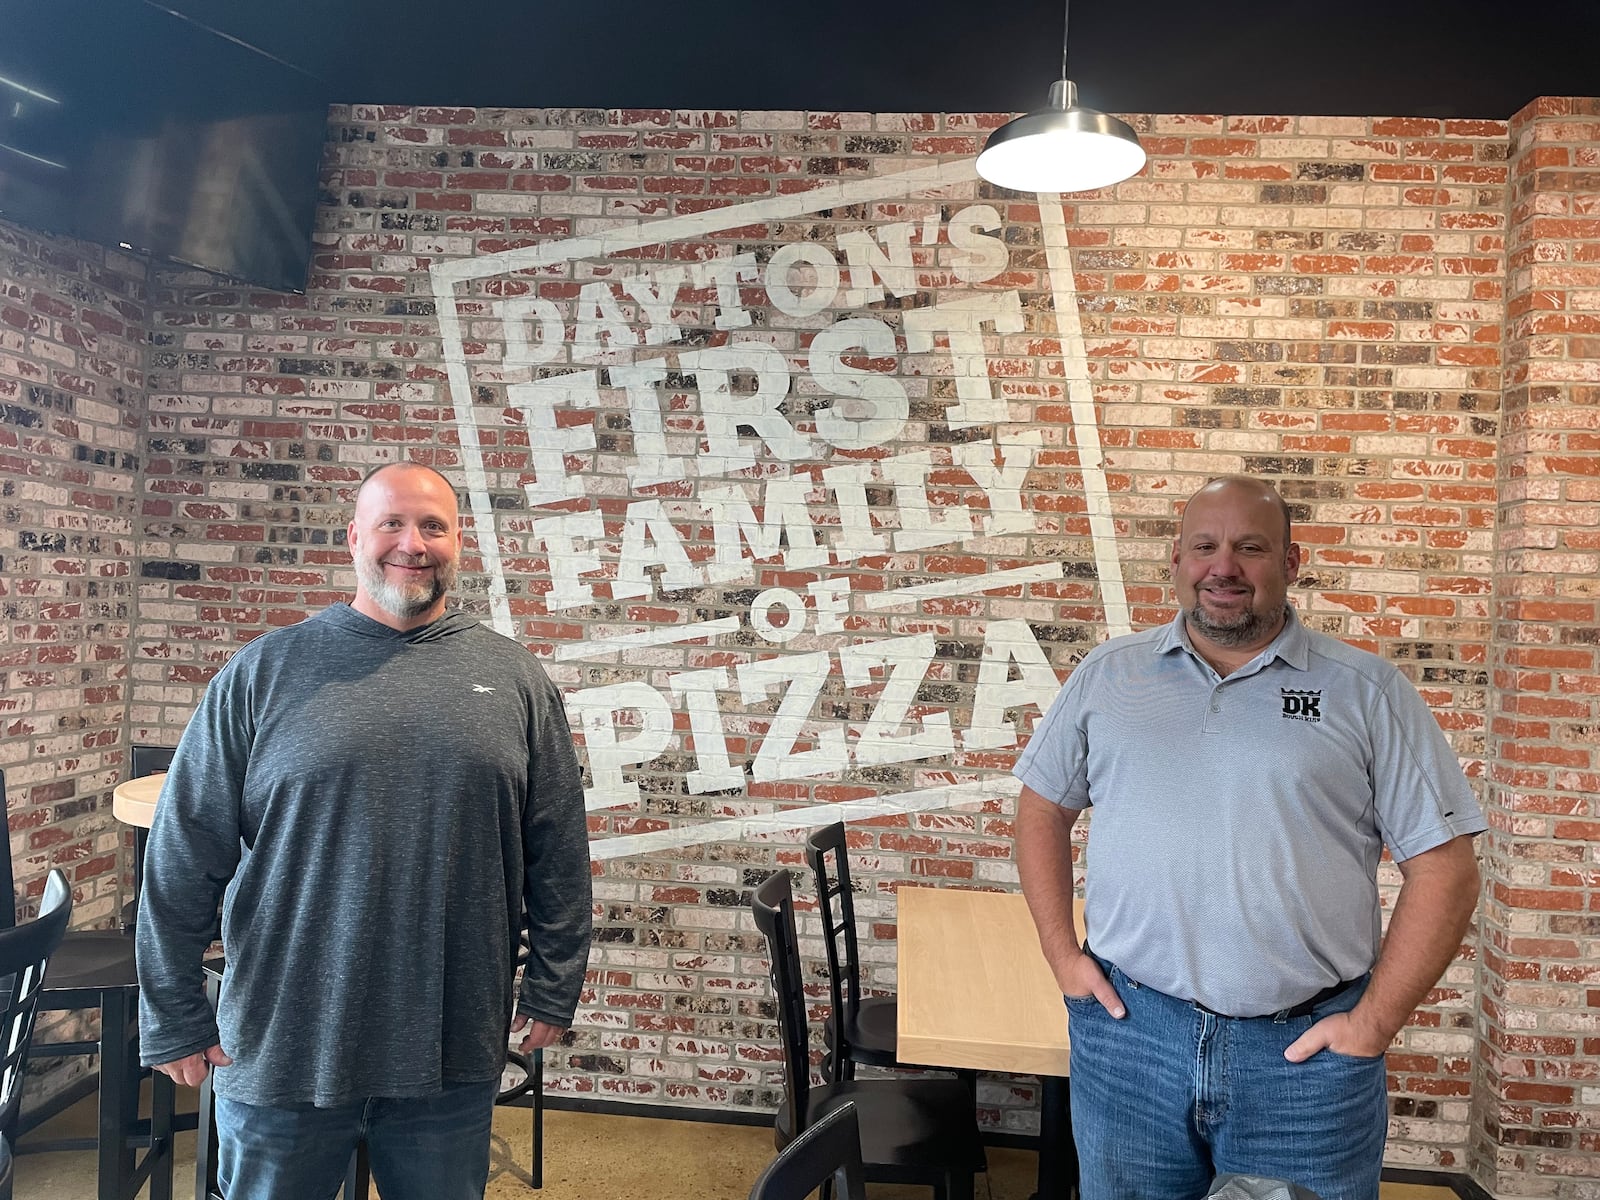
[404, 600]
[1245, 629]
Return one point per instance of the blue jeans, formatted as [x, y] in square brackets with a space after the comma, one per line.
[424, 1148]
[1170, 1096]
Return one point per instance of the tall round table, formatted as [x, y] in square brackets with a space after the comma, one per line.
[133, 801]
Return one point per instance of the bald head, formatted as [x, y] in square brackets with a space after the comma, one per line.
[383, 468]
[1246, 486]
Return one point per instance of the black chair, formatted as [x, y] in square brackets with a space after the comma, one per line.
[914, 1130]
[25, 952]
[94, 970]
[861, 1029]
[827, 1152]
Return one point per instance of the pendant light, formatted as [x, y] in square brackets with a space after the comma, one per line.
[1061, 147]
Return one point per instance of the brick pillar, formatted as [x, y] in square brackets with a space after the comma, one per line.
[1537, 1100]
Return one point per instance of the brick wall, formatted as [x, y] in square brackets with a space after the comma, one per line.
[862, 456]
[1537, 1127]
[71, 402]
[72, 322]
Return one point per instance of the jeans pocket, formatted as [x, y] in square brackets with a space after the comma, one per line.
[1074, 1002]
[1359, 1060]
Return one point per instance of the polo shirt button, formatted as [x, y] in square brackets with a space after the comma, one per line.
[1215, 707]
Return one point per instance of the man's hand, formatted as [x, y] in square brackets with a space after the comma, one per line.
[1342, 1034]
[1431, 915]
[1082, 976]
[539, 1034]
[191, 1069]
[1044, 862]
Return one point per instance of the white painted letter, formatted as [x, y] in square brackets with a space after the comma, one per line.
[984, 257]
[656, 302]
[785, 516]
[919, 527]
[548, 444]
[1002, 484]
[872, 407]
[963, 321]
[560, 536]
[597, 710]
[777, 757]
[726, 272]
[1008, 643]
[784, 298]
[713, 772]
[651, 462]
[599, 313]
[647, 525]
[520, 352]
[855, 537]
[908, 659]
[723, 412]
[794, 609]
[831, 599]
[868, 262]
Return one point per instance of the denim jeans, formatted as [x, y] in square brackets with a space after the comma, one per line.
[425, 1148]
[1170, 1096]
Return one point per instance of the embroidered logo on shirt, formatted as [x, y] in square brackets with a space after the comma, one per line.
[1301, 706]
[478, 687]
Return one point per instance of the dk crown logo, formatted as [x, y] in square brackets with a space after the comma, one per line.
[1301, 706]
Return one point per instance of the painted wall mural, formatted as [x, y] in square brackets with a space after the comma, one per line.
[697, 429]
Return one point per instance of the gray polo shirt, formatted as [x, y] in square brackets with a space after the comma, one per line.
[1238, 821]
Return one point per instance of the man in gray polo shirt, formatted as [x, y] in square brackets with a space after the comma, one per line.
[1231, 1006]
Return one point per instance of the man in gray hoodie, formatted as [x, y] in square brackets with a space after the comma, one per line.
[375, 795]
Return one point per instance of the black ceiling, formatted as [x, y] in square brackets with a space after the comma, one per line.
[1467, 58]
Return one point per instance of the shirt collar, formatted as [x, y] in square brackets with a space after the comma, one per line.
[1292, 645]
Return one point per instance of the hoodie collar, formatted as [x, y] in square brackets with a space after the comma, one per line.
[348, 620]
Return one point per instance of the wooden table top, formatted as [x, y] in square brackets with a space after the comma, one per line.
[974, 988]
[133, 801]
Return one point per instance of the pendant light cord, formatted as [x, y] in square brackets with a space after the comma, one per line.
[1065, 14]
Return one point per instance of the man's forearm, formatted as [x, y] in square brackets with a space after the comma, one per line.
[1044, 863]
[1430, 918]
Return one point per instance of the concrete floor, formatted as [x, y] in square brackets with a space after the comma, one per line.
[587, 1157]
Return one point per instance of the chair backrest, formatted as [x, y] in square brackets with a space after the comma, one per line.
[24, 953]
[147, 760]
[8, 881]
[830, 1149]
[773, 907]
[825, 851]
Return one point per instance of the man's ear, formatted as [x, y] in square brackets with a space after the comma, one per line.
[1292, 561]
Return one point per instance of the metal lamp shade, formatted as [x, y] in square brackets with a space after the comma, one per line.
[1062, 148]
